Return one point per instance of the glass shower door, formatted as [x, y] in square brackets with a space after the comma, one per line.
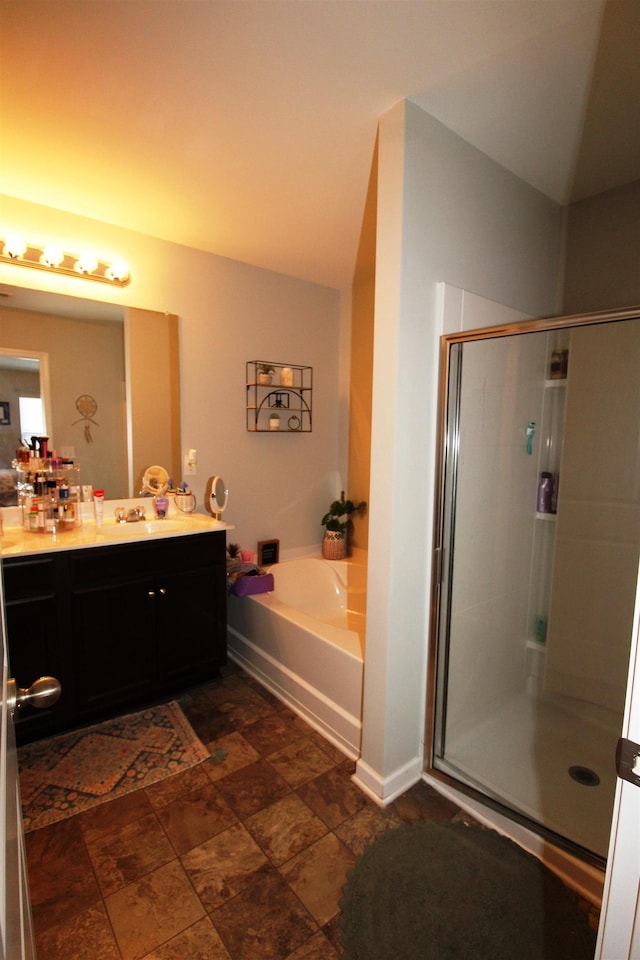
[536, 599]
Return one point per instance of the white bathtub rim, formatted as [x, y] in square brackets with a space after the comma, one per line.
[339, 607]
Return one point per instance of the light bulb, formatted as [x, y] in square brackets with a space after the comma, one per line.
[52, 256]
[86, 263]
[14, 247]
[118, 270]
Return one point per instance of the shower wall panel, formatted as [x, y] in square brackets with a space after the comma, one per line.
[598, 523]
[495, 502]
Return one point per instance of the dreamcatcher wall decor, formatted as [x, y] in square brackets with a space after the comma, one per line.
[86, 406]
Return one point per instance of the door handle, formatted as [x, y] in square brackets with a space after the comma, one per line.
[628, 761]
[42, 693]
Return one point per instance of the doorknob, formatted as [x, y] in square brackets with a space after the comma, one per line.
[43, 692]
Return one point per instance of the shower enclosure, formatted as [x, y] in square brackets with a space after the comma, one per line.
[536, 593]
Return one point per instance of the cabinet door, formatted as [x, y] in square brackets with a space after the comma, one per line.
[113, 639]
[33, 605]
[191, 625]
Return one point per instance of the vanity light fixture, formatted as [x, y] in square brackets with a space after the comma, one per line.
[52, 257]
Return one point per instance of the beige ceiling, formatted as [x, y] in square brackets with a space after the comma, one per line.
[247, 128]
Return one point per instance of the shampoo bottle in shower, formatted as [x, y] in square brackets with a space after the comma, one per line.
[545, 493]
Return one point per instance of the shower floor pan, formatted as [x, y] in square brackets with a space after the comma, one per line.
[522, 754]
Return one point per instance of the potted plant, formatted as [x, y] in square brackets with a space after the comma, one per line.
[265, 373]
[336, 521]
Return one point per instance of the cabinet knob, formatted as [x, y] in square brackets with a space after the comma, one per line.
[151, 593]
[162, 592]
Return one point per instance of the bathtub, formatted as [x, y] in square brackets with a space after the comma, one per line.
[305, 642]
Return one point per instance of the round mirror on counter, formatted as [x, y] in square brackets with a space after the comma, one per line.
[218, 497]
[155, 481]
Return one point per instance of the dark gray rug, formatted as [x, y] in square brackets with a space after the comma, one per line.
[439, 891]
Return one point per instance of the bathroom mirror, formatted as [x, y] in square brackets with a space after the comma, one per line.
[536, 596]
[105, 362]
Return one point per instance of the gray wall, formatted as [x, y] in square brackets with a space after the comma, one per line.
[603, 251]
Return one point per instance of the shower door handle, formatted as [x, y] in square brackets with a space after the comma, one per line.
[628, 761]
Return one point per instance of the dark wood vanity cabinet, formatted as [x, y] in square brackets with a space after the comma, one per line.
[140, 621]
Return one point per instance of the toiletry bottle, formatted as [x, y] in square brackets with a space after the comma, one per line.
[545, 493]
[555, 486]
[40, 507]
[98, 504]
[51, 505]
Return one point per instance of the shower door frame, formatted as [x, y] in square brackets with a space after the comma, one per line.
[447, 442]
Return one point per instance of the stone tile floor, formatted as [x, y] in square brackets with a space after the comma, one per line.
[240, 858]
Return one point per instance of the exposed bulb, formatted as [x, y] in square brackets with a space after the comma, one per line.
[118, 270]
[52, 256]
[14, 247]
[86, 263]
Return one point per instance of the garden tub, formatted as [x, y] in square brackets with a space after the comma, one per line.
[305, 642]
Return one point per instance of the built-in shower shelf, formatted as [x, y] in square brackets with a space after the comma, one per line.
[533, 644]
[554, 384]
[549, 517]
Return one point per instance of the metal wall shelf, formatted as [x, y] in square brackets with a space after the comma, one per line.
[282, 396]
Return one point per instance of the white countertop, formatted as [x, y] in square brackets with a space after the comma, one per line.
[16, 541]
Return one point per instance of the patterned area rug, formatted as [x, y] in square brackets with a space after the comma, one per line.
[65, 775]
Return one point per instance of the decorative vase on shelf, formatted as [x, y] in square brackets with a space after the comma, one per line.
[334, 545]
[286, 377]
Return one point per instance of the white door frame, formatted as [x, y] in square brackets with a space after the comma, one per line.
[619, 933]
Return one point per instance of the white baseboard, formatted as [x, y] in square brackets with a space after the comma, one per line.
[385, 790]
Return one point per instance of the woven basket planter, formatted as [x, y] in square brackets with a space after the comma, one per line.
[334, 545]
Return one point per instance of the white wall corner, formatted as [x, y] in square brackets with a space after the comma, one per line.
[384, 790]
[448, 309]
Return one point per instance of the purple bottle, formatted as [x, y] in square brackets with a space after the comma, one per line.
[545, 493]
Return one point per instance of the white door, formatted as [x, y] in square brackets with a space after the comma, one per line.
[16, 931]
[619, 933]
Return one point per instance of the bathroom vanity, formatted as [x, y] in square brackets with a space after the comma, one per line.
[119, 619]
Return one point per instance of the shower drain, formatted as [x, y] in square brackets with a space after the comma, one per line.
[584, 776]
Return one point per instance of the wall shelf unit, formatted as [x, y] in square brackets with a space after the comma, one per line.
[279, 397]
